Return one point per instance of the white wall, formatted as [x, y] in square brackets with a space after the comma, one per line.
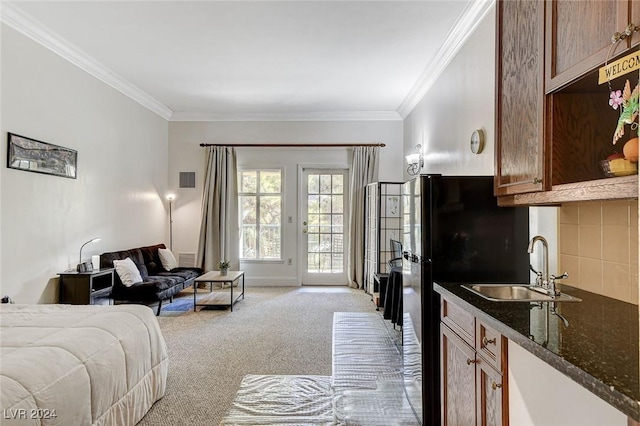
[460, 101]
[185, 154]
[540, 395]
[122, 170]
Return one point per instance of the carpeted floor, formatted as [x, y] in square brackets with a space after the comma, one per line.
[274, 331]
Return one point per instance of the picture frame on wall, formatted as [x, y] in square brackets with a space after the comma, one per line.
[32, 155]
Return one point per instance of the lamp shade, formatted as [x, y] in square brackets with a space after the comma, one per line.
[413, 158]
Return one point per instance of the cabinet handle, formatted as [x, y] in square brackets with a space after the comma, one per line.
[495, 385]
[536, 181]
[471, 361]
[486, 341]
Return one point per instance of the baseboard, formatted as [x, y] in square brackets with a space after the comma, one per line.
[271, 281]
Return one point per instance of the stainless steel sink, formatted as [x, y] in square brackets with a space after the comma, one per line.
[515, 293]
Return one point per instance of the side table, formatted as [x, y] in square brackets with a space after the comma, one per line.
[86, 288]
[215, 277]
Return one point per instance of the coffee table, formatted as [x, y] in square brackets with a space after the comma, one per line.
[215, 277]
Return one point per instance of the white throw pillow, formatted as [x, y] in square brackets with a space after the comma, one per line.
[127, 271]
[168, 260]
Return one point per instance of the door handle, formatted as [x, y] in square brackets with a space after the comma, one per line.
[304, 223]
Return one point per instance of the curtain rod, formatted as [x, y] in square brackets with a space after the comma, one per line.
[293, 145]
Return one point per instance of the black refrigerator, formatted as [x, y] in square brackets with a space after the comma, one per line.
[453, 231]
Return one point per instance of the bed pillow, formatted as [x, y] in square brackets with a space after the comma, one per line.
[127, 271]
[167, 258]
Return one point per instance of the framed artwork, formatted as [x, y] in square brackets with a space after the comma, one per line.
[40, 157]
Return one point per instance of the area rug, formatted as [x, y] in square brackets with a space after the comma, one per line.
[181, 304]
[183, 301]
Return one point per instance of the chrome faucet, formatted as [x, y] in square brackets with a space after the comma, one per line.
[545, 283]
[545, 260]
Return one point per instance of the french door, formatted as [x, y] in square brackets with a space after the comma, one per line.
[324, 217]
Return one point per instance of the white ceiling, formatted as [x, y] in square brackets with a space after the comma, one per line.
[191, 60]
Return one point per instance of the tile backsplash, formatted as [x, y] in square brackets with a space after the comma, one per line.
[598, 247]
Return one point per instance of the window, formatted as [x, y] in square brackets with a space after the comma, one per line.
[260, 201]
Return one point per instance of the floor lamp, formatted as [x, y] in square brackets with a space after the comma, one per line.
[171, 198]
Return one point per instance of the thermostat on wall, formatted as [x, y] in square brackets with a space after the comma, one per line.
[477, 141]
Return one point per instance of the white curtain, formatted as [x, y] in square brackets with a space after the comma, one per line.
[364, 170]
[219, 229]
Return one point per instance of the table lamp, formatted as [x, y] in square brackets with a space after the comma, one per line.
[86, 266]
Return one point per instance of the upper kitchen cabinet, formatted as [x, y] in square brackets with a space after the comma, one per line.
[520, 146]
[578, 37]
[555, 120]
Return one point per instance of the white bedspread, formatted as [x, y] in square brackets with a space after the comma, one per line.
[79, 365]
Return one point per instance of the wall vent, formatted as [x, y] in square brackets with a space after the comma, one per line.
[187, 179]
[186, 260]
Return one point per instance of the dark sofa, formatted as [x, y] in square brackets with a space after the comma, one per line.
[157, 283]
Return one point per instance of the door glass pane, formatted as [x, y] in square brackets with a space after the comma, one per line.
[336, 246]
[325, 263]
[337, 184]
[313, 184]
[313, 204]
[325, 219]
[325, 184]
[325, 204]
[325, 242]
[313, 264]
[336, 221]
[336, 203]
[313, 243]
[337, 265]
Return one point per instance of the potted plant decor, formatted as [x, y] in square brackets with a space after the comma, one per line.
[223, 266]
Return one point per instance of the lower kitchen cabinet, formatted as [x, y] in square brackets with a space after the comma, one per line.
[458, 379]
[474, 372]
[490, 395]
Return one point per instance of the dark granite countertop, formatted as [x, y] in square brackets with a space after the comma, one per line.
[599, 349]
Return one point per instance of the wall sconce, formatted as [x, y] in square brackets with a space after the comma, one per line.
[170, 198]
[415, 161]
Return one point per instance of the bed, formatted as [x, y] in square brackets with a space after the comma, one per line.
[80, 365]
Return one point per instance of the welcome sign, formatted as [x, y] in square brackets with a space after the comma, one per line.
[619, 68]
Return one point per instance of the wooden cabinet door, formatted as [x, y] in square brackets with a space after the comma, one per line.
[521, 153]
[492, 408]
[578, 36]
[458, 379]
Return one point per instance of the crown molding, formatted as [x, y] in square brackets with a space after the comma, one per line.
[302, 116]
[35, 30]
[457, 36]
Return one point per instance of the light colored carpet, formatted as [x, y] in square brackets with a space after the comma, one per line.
[274, 331]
